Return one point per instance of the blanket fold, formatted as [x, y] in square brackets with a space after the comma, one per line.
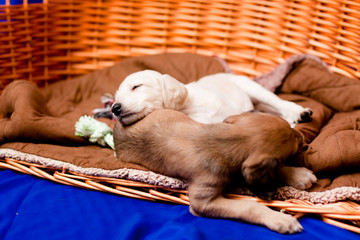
[26, 117]
[312, 80]
[333, 135]
[37, 125]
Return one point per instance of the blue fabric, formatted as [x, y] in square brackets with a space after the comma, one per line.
[33, 208]
[14, 2]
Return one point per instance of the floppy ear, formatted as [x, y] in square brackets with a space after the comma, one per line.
[261, 176]
[174, 92]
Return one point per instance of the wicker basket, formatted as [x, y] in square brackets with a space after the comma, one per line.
[59, 39]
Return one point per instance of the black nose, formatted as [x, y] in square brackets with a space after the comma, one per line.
[116, 109]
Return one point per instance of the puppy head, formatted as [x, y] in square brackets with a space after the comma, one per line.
[272, 133]
[271, 141]
[145, 91]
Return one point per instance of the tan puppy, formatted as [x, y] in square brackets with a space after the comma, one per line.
[212, 156]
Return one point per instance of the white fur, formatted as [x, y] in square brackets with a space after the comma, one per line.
[210, 99]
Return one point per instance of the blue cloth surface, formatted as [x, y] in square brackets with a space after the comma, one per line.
[13, 2]
[33, 208]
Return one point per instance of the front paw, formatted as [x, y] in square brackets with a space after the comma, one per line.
[298, 177]
[284, 223]
[295, 114]
[305, 116]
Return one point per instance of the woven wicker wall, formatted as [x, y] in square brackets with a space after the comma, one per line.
[61, 39]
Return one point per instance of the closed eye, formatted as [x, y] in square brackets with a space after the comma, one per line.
[136, 86]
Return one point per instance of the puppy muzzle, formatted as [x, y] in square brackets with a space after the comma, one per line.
[116, 109]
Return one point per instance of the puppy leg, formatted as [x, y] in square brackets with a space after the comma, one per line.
[206, 200]
[291, 112]
[297, 177]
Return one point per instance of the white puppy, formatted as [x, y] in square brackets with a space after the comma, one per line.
[208, 100]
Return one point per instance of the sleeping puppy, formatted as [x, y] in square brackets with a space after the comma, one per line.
[208, 100]
[250, 146]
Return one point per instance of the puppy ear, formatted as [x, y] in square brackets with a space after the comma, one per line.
[261, 176]
[174, 92]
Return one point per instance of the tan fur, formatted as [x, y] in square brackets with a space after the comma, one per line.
[211, 156]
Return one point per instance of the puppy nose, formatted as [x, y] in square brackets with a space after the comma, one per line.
[116, 109]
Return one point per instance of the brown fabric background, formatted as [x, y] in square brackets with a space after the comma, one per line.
[333, 135]
[41, 121]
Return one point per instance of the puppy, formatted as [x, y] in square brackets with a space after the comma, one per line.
[209, 100]
[209, 157]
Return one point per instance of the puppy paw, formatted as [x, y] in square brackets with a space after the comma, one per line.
[284, 223]
[304, 179]
[295, 114]
[298, 177]
[305, 116]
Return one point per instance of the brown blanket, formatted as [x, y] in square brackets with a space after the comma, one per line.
[38, 124]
